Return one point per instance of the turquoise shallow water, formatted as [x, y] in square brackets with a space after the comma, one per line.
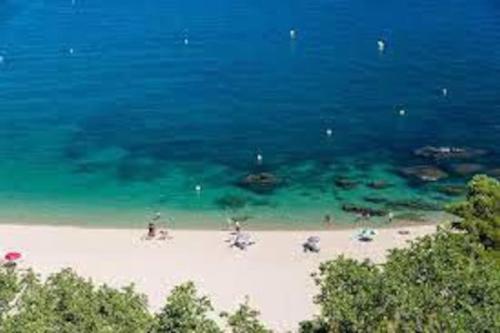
[110, 111]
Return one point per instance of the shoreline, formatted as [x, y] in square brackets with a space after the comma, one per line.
[224, 226]
[274, 272]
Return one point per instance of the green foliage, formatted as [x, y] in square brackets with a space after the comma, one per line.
[68, 303]
[481, 210]
[443, 282]
[245, 320]
[11, 285]
[186, 312]
[351, 294]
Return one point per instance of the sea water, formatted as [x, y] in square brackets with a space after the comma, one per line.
[113, 110]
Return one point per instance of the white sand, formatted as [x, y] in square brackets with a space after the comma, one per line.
[274, 273]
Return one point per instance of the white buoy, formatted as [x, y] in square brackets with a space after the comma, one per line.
[259, 158]
[197, 188]
[402, 112]
[186, 41]
[329, 132]
[445, 92]
[2, 59]
[71, 51]
[293, 34]
[381, 45]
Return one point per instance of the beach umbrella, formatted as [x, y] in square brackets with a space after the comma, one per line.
[313, 239]
[12, 256]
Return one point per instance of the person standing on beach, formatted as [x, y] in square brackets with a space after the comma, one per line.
[151, 230]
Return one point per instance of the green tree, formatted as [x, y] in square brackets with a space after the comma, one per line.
[441, 283]
[67, 303]
[245, 320]
[351, 295]
[11, 285]
[480, 212]
[186, 312]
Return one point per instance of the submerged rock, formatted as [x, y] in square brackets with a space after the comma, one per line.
[379, 184]
[345, 183]
[452, 190]
[263, 182]
[494, 173]
[426, 173]
[410, 216]
[448, 152]
[464, 169]
[412, 204]
[376, 200]
[232, 202]
[365, 211]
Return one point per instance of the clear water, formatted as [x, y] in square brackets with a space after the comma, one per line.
[111, 110]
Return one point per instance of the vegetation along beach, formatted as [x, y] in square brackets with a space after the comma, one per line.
[249, 166]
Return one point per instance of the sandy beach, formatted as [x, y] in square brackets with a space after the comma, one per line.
[274, 272]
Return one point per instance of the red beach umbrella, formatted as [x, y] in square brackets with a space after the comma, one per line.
[12, 256]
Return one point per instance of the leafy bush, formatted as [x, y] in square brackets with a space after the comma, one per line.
[245, 320]
[69, 303]
[480, 212]
[186, 312]
[443, 282]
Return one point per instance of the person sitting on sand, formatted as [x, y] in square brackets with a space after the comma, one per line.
[151, 230]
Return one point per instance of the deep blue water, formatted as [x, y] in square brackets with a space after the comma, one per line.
[112, 109]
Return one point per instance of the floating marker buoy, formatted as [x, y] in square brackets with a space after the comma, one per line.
[2, 59]
[293, 34]
[329, 132]
[445, 92]
[71, 51]
[402, 112]
[259, 158]
[198, 188]
[186, 41]
[381, 45]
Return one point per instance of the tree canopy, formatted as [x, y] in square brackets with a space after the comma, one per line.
[68, 303]
[480, 212]
[448, 281]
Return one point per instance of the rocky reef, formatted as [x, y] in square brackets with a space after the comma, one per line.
[231, 202]
[448, 152]
[260, 183]
[378, 184]
[451, 189]
[364, 211]
[345, 183]
[494, 173]
[466, 169]
[403, 204]
[426, 173]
